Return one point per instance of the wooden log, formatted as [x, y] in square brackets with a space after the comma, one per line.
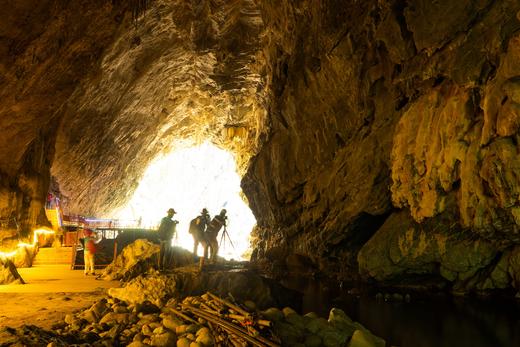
[182, 315]
[227, 303]
[255, 340]
[215, 306]
[262, 322]
[209, 309]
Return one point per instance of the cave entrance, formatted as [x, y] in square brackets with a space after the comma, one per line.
[189, 179]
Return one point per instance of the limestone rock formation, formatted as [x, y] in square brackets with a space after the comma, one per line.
[139, 257]
[373, 108]
[8, 273]
[183, 74]
[24, 256]
[46, 48]
[345, 118]
[158, 288]
[151, 287]
[135, 259]
[404, 248]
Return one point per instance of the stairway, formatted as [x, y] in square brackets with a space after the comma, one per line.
[53, 255]
[54, 218]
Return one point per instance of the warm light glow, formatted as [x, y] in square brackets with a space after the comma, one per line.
[41, 231]
[188, 180]
[24, 244]
[11, 254]
[7, 255]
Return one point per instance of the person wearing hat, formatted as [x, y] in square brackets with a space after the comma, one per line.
[197, 228]
[89, 251]
[211, 234]
[166, 232]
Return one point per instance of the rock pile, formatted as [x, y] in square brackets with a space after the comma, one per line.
[135, 259]
[30, 335]
[151, 287]
[196, 321]
[158, 287]
[139, 257]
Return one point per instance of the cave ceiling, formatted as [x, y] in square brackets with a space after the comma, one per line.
[121, 91]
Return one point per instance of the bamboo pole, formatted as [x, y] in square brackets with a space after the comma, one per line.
[182, 315]
[255, 340]
[227, 303]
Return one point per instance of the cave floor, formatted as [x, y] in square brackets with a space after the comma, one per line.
[50, 292]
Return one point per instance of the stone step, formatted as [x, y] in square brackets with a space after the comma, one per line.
[52, 255]
[53, 217]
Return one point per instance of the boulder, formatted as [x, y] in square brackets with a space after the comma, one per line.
[164, 340]
[24, 256]
[363, 338]
[137, 344]
[8, 273]
[436, 247]
[139, 257]
[113, 318]
[171, 323]
[183, 342]
[205, 337]
[135, 259]
[152, 287]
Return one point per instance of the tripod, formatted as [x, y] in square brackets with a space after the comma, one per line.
[223, 238]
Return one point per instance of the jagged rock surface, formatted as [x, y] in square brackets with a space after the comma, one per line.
[345, 117]
[185, 73]
[158, 288]
[139, 257]
[135, 258]
[374, 108]
[24, 256]
[8, 273]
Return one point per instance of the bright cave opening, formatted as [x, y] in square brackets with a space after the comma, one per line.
[188, 180]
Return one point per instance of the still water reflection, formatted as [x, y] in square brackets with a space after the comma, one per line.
[446, 322]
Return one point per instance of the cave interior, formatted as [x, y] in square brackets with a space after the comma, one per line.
[377, 142]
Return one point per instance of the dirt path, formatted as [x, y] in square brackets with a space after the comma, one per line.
[51, 292]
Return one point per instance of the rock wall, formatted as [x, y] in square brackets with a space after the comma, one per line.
[23, 197]
[359, 126]
[383, 113]
[46, 47]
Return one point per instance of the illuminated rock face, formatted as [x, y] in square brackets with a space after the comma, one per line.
[185, 72]
[382, 107]
[46, 48]
[357, 126]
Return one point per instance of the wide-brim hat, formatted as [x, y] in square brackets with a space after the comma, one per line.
[171, 210]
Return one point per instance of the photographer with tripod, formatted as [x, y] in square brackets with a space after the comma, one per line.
[211, 235]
